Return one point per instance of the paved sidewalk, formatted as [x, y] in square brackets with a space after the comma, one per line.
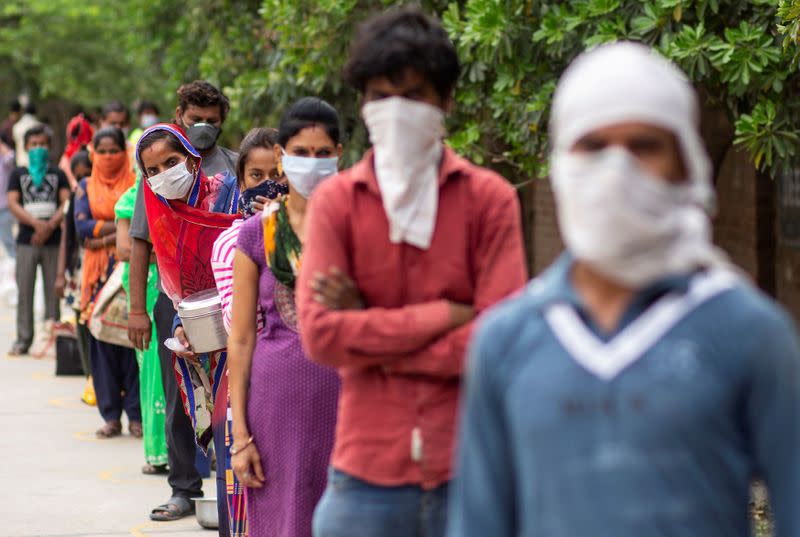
[57, 479]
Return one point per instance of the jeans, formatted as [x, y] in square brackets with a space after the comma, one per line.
[7, 232]
[351, 507]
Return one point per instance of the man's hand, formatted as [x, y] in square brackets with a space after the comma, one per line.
[41, 232]
[336, 291]
[180, 335]
[60, 285]
[139, 329]
[460, 314]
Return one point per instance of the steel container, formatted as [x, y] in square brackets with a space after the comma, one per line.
[201, 315]
[206, 512]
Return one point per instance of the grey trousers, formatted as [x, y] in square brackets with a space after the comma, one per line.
[28, 259]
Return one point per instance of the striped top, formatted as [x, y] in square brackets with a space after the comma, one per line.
[222, 255]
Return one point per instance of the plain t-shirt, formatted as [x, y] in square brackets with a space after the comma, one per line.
[41, 203]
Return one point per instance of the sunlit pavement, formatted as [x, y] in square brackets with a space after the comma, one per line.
[57, 479]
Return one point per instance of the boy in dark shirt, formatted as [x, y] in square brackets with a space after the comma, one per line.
[36, 197]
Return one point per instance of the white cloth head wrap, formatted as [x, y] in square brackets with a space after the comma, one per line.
[628, 82]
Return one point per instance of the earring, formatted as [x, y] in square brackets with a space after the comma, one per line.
[280, 169]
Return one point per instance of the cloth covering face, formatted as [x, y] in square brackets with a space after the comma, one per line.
[407, 137]
[624, 82]
[104, 188]
[627, 224]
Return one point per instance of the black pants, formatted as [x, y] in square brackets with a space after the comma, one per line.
[183, 476]
[114, 371]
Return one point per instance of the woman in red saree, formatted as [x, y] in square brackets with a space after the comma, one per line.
[178, 200]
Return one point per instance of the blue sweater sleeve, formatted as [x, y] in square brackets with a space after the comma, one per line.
[482, 498]
[773, 415]
[84, 223]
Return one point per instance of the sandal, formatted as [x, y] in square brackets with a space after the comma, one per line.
[18, 349]
[135, 428]
[109, 430]
[176, 508]
[155, 469]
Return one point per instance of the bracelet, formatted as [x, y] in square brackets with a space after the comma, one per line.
[235, 451]
[138, 313]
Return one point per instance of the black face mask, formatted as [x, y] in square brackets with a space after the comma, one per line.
[203, 136]
[269, 189]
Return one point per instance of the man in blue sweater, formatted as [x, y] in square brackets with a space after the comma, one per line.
[639, 385]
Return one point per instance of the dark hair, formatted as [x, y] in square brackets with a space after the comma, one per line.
[399, 39]
[30, 108]
[110, 132]
[203, 94]
[80, 157]
[15, 106]
[308, 112]
[36, 130]
[115, 106]
[258, 137]
[154, 136]
[146, 105]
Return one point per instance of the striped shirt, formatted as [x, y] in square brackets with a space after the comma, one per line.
[222, 255]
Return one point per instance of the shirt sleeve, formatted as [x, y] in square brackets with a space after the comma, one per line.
[14, 181]
[482, 499]
[501, 270]
[358, 338]
[84, 223]
[139, 228]
[63, 182]
[773, 415]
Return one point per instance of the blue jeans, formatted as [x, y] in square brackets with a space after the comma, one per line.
[351, 507]
[7, 232]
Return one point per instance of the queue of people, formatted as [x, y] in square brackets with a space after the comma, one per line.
[387, 368]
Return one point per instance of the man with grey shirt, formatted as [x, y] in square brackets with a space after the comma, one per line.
[201, 111]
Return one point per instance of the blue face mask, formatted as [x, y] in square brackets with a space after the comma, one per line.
[269, 189]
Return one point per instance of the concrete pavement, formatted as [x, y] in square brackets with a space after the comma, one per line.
[57, 479]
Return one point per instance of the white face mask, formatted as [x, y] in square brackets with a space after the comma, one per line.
[627, 224]
[174, 183]
[407, 137]
[305, 173]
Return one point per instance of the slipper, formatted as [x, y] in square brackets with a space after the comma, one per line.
[155, 469]
[135, 428]
[176, 508]
[109, 430]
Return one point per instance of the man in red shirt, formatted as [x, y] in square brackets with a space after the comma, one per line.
[402, 251]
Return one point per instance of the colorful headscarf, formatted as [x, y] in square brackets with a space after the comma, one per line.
[79, 134]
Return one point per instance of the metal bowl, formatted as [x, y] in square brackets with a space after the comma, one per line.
[206, 512]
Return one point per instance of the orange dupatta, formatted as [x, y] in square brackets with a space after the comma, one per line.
[111, 177]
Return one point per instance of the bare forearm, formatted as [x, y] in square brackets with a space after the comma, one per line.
[139, 265]
[240, 359]
[62, 253]
[22, 216]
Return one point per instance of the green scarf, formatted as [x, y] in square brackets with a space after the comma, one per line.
[37, 165]
[282, 247]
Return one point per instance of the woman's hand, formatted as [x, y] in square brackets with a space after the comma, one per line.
[259, 202]
[336, 291]
[180, 335]
[247, 466]
[94, 243]
[139, 329]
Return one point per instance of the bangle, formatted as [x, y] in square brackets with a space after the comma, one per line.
[138, 313]
[235, 451]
